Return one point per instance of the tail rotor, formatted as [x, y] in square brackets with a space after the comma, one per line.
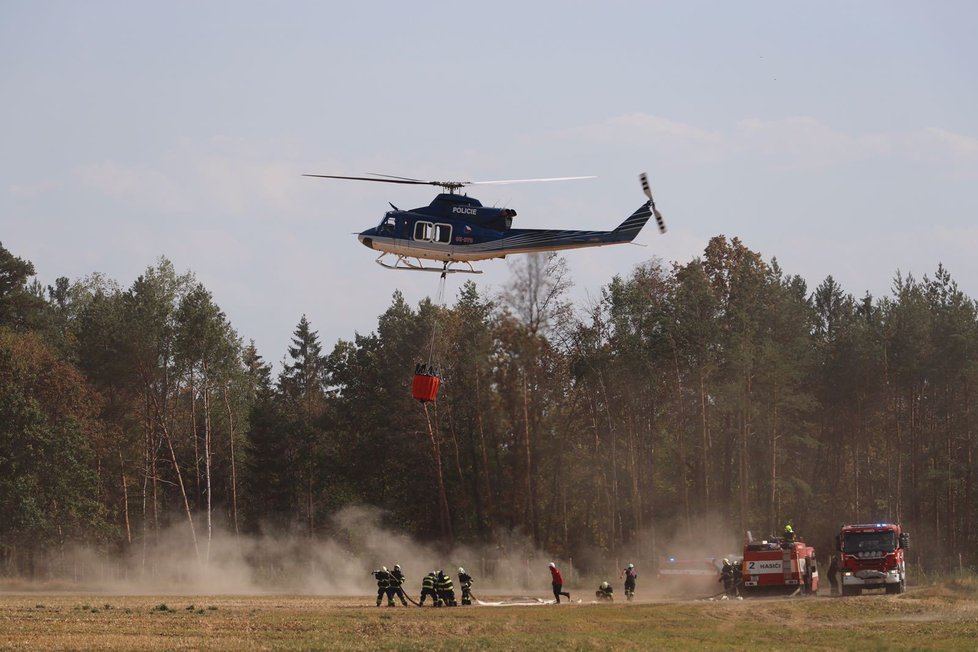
[648, 193]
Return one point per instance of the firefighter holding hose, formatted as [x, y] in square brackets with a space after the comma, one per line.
[630, 575]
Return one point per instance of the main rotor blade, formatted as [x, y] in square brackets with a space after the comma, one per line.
[486, 183]
[479, 183]
[451, 186]
[391, 176]
[413, 182]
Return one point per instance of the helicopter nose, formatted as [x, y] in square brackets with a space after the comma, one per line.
[367, 241]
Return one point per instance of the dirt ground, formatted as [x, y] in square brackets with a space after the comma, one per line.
[936, 618]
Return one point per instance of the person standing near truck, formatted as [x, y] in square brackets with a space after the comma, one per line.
[727, 577]
[788, 534]
[834, 574]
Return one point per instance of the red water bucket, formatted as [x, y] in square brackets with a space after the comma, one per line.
[425, 388]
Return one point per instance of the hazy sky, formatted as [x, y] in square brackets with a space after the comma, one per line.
[839, 137]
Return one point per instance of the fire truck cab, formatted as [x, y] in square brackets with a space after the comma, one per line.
[871, 557]
[779, 566]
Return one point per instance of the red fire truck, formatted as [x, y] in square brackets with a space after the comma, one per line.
[779, 566]
[871, 557]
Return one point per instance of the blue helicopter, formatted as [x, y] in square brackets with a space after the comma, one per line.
[455, 229]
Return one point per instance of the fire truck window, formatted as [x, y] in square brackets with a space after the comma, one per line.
[869, 541]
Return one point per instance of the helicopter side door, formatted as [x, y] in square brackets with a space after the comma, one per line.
[435, 232]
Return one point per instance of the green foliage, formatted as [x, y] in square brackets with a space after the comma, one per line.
[47, 437]
[21, 308]
[720, 389]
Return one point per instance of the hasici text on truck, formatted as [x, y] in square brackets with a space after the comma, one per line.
[871, 557]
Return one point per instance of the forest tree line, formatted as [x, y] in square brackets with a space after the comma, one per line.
[721, 389]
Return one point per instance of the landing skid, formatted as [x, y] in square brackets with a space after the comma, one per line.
[404, 264]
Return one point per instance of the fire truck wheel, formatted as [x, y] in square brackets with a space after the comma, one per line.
[850, 590]
[896, 588]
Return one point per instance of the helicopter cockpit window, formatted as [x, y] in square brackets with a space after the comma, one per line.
[387, 225]
[443, 233]
[423, 230]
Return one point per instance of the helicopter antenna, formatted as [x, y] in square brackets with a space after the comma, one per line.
[451, 186]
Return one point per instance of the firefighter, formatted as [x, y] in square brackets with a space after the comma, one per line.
[605, 592]
[834, 574]
[446, 590]
[465, 583]
[727, 577]
[428, 588]
[384, 586]
[788, 536]
[398, 580]
[557, 581]
[630, 575]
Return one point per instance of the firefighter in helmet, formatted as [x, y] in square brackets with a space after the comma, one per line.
[445, 590]
[630, 575]
[787, 536]
[465, 583]
[385, 586]
[605, 592]
[428, 588]
[397, 582]
[557, 581]
[727, 577]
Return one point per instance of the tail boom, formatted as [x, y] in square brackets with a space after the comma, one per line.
[627, 230]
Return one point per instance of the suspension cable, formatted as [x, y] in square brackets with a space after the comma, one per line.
[439, 302]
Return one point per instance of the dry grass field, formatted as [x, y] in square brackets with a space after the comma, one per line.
[938, 617]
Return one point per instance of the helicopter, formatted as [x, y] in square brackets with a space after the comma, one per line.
[456, 230]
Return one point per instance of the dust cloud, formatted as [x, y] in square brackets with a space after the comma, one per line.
[689, 558]
[341, 564]
[338, 565]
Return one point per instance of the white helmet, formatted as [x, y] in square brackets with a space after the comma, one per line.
[631, 565]
[461, 570]
[553, 565]
[397, 567]
[383, 568]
